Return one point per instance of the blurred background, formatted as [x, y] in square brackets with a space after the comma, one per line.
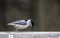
[45, 13]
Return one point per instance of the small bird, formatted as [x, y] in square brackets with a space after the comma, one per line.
[22, 24]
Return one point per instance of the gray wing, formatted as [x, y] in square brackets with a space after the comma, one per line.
[21, 23]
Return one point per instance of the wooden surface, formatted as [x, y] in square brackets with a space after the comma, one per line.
[30, 34]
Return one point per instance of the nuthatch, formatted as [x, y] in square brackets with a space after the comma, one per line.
[22, 24]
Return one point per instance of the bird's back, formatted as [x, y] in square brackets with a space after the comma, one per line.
[21, 23]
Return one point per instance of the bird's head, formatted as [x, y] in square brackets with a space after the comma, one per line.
[30, 22]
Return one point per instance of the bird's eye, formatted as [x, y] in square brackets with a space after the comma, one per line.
[25, 20]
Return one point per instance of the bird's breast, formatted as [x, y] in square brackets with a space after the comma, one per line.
[21, 26]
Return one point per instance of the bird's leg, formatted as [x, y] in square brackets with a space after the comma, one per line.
[16, 30]
[20, 30]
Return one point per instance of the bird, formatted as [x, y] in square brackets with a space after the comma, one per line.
[22, 24]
